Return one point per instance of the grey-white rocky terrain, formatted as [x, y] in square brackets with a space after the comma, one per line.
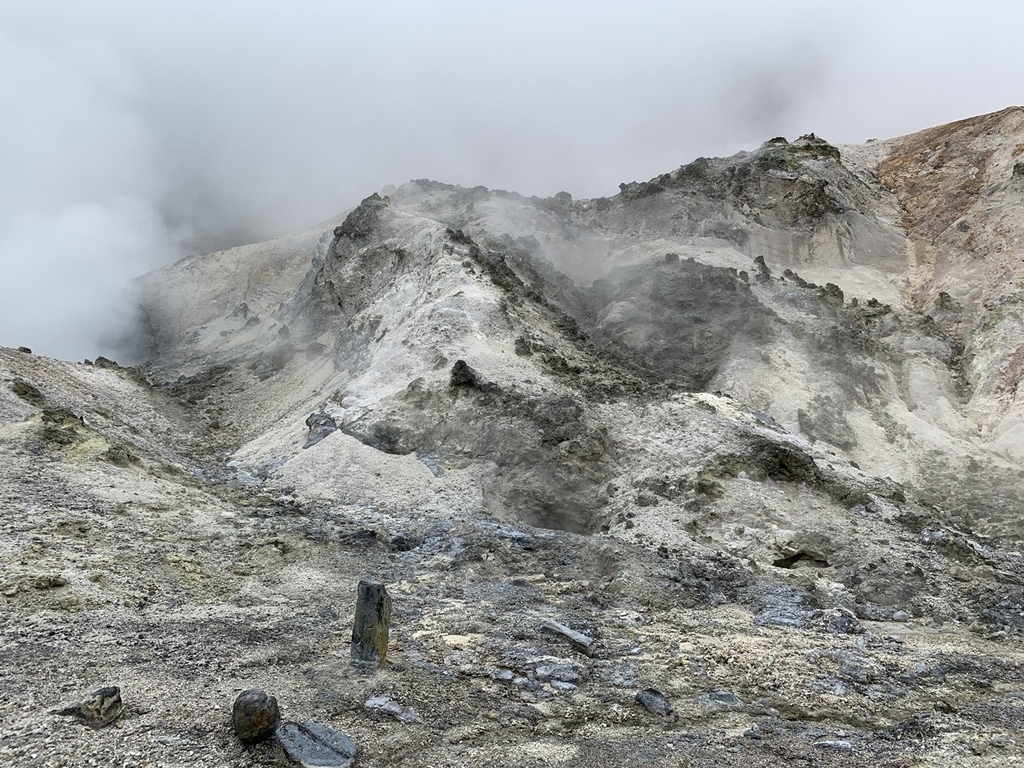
[751, 427]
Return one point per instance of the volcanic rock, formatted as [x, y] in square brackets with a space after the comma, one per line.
[312, 745]
[100, 708]
[255, 716]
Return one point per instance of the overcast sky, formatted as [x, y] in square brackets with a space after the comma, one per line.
[132, 133]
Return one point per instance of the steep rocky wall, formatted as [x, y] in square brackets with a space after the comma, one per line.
[779, 275]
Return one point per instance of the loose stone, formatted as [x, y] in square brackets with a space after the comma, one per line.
[372, 622]
[255, 716]
[99, 708]
[579, 641]
[385, 705]
[316, 746]
[654, 701]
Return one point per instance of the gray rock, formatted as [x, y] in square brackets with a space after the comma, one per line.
[856, 668]
[99, 708]
[385, 705]
[255, 716]
[720, 699]
[316, 746]
[840, 745]
[579, 641]
[783, 606]
[320, 426]
[565, 673]
[841, 621]
[932, 535]
[431, 462]
[560, 685]
[655, 702]
[372, 622]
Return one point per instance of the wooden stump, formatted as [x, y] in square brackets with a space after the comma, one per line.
[372, 622]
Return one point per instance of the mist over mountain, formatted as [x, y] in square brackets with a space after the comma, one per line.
[134, 135]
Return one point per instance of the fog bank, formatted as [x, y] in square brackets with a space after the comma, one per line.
[136, 133]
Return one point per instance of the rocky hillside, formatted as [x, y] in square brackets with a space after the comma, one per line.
[751, 426]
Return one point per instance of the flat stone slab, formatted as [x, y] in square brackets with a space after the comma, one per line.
[316, 746]
[387, 706]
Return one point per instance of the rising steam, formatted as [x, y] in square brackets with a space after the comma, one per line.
[136, 133]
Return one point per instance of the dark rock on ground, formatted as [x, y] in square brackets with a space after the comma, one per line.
[654, 701]
[99, 708]
[320, 426]
[255, 716]
[316, 746]
[372, 622]
[463, 375]
[61, 426]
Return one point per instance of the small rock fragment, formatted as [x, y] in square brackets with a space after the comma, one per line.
[255, 716]
[842, 621]
[99, 708]
[720, 699]
[565, 673]
[372, 622]
[462, 375]
[654, 701]
[387, 706]
[840, 745]
[579, 641]
[320, 426]
[316, 746]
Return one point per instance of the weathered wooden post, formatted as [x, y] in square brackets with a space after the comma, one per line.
[373, 620]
